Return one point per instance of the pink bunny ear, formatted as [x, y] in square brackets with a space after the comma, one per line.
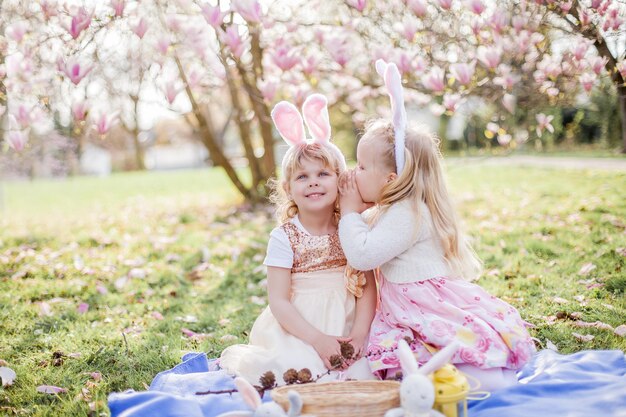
[440, 358]
[407, 359]
[288, 122]
[315, 112]
[248, 392]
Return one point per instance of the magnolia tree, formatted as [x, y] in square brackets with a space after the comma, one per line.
[88, 65]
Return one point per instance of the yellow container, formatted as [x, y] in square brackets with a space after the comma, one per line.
[451, 390]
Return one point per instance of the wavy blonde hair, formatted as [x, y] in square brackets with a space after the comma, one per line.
[422, 180]
[332, 159]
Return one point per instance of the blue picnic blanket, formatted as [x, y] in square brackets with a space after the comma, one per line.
[587, 383]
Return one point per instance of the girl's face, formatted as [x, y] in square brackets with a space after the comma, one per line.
[371, 173]
[313, 186]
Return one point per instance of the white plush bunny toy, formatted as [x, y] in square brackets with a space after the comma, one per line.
[260, 409]
[417, 392]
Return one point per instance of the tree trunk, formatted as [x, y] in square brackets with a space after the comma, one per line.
[207, 136]
[442, 132]
[621, 98]
[140, 153]
[244, 127]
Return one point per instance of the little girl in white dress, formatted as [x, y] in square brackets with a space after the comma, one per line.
[310, 307]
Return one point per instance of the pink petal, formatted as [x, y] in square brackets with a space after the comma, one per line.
[7, 375]
[50, 389]
[82, 308]
[586, 268]
[620, 330]
[157, 315]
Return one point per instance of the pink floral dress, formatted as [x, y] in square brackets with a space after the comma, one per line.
[436, 311]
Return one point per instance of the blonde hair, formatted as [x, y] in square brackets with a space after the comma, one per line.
[328, 154]
[422, 180]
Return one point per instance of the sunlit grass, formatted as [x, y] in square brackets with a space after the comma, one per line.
[152, 254]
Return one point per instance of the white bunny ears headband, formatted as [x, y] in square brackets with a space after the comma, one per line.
[391, 75]
[288, 122]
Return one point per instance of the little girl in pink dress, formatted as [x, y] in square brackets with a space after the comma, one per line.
[425, 265]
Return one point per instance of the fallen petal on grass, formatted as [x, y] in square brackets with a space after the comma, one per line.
[7, 375]
[583, 338]
[50, 389]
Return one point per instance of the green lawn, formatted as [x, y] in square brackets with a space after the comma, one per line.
[152, 254]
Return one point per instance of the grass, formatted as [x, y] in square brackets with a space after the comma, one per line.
[153, 254]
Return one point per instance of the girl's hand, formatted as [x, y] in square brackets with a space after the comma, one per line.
[327, 346]
[350, 200]
[359, 343]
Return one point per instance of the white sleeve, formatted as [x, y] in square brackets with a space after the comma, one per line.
[279, 251]
[366, 248]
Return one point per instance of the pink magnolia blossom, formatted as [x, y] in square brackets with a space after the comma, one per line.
[171, 90]
[80, 109]
[580, 49]
[17, 139]
[79, 22]
[49, 8]
[418, 7]
[23, 117]
[268, 89]
[285, 57]
[475, 6]
[104, 122]
[250, 10]
[463, 73]
[213, 15]
[584, 16]
[451, 102]
[506, 78]
[445, 4]
[17, 31]
[498, 20]
[519, 22]
[596, 3]
[621, 67]
[434, 80]
[140, 27]
[404, 62]
[420, 64]
[309, 64]
[544, 123]
[163, 44]
[566, 6]
[118, 7]
[409, 28]
[75, 70]
[477, 25]
[233, 40]
[489, 56]
[587, 80]
[597, 64]
[339, 49]
[173, 23]
[359, 5]
[509, 102]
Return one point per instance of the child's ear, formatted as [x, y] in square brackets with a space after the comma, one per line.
[285, 185]
[391, 177]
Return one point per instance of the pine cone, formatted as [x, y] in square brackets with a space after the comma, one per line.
[268, 380]
[347, 350]
[336, 361]
[304, 375]
[290, 376]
